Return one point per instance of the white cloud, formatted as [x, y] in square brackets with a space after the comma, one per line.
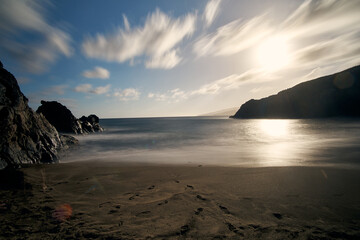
[126, 23]
[127, 94]
[211, 11]
[233, 37]
[88, 88]
[50, 91]
[166, 61]
[320, 33]
[101, 89]
[20, 17]
[316, 17]
[156, 39]
[329, 51]
[218, 86]
[85, 88]
[57, 89]
[232, 82]
[174, 95]
[98, 72]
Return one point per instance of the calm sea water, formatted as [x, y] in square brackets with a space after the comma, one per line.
[223, 141]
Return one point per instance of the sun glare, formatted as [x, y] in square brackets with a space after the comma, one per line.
[272, 53]
[275, 127]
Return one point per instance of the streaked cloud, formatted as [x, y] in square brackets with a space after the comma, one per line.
[320, 32]
[84, 88]
[127, 94]
[166, 61]
[174, 95]
[211, 11]
[155, 40]
[329, 51]
[233, 37]
[233, 81]
[88, 88]
[218, 86]
[101, 89]
[97, 72]
[315, 17]
[19, 17]
[57, 89]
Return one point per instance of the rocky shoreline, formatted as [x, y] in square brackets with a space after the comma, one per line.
[29, 137]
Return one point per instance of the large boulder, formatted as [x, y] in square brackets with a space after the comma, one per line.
[25, 136]
[60, 117]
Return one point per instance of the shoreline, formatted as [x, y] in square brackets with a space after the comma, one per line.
[137, 201]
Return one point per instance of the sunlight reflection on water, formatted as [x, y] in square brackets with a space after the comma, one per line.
[275, 127]
[223, 141]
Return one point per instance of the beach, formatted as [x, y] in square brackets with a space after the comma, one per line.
[105, 200]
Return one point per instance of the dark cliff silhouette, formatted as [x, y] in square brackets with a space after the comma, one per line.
[336, 95]
[65, 122]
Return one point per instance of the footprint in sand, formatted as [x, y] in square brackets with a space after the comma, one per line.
[184, 229]
[277, 215]
[200, 197]
[133, 197]
[151, 187]
[112, 211]
[198, 211]
[164, 202]
[233, 229]
[189, 186]
[143, 213]
[101, 204]
[224, 209]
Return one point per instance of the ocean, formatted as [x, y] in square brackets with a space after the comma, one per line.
[223, 141]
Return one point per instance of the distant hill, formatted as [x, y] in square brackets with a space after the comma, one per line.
[336, 95]
[224, 112]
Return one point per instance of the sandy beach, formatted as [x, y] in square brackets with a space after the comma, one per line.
[93, 200]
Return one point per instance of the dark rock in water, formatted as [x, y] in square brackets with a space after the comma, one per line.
[91, 124]
[25, 136]
[336, 95]
[60, 117]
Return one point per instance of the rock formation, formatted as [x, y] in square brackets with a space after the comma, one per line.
[65, 122]
[25, 136]
[91, 124]
[336, 95]
[60, 117]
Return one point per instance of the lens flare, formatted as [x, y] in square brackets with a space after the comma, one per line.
[62, 212]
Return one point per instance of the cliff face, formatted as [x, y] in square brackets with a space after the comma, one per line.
[336, 95]
[25, 136]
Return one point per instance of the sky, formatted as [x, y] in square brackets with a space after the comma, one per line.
[154, 58]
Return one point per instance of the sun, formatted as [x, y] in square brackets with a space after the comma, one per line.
[273, 53]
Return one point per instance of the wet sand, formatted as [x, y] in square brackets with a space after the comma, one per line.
[91, 200]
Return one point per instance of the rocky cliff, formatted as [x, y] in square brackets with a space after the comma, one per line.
[336, 95]
[65, 122]
[25, 136]
[60, 117]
